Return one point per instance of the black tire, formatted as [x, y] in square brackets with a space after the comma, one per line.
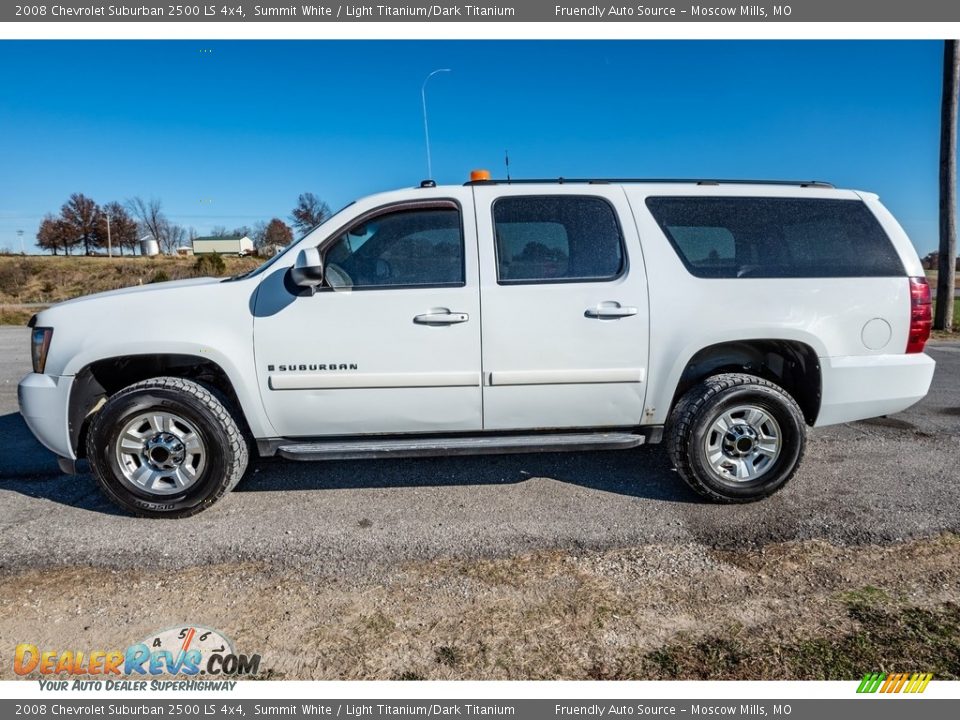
[691, 420]
[226, 448]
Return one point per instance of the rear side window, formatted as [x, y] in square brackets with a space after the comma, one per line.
[558, 238]
[729, 237]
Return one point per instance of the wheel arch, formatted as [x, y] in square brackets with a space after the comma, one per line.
[791, 364]
[96, 381]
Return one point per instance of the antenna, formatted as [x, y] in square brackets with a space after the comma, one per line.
[506, 160]
[426, 131]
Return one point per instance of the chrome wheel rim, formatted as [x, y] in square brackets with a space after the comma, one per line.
[743, 443]
[160, 453]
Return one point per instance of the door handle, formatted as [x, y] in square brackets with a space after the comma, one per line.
[441, 316]
[610, 310]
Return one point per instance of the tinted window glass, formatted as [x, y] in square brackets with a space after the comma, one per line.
[405, 248]
[776, 237]
[556, 238]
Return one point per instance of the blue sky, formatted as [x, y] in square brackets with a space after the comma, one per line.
[230, 132]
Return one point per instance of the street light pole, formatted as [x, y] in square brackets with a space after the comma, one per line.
[20, 235]
[426, 130]
[109, 242]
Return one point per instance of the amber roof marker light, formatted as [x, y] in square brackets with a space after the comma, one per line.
[426, 129]
[479, 175]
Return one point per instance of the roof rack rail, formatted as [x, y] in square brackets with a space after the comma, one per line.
[685, 181]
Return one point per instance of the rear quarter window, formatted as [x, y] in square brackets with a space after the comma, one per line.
[731, 237]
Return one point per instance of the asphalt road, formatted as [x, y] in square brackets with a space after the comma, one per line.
[881, 481]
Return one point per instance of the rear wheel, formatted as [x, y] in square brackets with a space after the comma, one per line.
[166, 447]
[736, 438]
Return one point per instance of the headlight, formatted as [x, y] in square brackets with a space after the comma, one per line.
[39, 345]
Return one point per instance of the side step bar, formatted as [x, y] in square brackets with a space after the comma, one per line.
[420, 447]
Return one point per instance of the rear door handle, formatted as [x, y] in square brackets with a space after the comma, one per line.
[441, 316]
[610, 310]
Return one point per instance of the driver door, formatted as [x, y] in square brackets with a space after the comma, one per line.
[391, 342]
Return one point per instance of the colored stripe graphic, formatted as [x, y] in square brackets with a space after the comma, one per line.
[870, 682]
[919, 683]
[890, 683]
[894, 683]
[900, 682]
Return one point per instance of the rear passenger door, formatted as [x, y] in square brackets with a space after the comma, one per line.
[564, 307]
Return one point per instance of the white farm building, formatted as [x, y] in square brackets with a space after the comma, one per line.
[222, 245]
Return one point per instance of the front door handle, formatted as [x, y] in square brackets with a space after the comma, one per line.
[441, 316]
[610, 310]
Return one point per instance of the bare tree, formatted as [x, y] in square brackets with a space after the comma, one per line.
[174, 236]
[123, 228]
[54, 235]
[83, 219]
[277, 232]
[946, 263]
[221, 231]
[258, 233]
[309, 212]
[150, 217]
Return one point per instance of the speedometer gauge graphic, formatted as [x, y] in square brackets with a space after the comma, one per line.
[184, 638]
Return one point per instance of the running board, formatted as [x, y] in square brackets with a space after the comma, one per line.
[421, 447]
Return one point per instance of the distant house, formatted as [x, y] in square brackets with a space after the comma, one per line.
[222, 245]
[269, 249]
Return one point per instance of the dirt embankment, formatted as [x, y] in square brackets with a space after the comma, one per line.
[806, 610]
[49, 280]
[28, 284]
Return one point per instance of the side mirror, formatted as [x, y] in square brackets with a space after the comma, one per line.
[307, 271]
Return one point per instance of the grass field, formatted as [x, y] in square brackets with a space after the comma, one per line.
[15, 315]
[939, 334]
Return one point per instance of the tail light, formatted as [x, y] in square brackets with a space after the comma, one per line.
[921, 315]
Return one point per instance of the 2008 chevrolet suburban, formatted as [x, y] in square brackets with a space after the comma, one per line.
[500, 316]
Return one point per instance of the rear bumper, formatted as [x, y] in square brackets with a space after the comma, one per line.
[860, 387]
[44, 401]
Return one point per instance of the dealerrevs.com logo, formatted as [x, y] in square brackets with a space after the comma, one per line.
[191, 650]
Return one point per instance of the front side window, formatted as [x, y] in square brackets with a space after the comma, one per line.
[401, 248]
[556, 238]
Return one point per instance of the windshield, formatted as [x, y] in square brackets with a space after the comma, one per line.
[260, 269]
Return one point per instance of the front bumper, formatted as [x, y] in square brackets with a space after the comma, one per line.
[44, 404]
[861, 387]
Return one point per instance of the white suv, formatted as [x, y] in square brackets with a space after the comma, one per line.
[495, 317]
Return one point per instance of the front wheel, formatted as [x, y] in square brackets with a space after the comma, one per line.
[736, 438]
[166, 447]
